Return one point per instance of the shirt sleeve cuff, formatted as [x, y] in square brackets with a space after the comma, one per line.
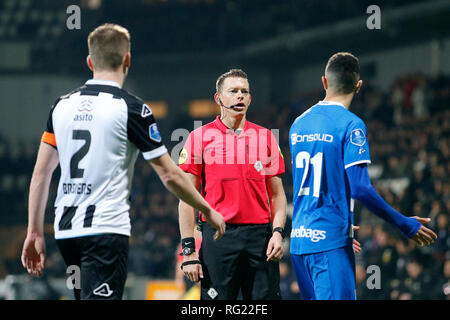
[155, 153]
[357, 162]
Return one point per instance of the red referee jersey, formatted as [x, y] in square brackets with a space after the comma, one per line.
[234, 169]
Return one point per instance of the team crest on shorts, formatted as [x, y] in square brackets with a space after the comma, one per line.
[212, 293]
[153, 132]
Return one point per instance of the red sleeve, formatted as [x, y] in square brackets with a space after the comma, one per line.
[191, 156]
[275, 165]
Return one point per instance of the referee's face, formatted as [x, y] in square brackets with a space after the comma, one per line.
[235, 95]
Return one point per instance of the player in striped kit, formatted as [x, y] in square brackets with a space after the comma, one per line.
[95, 134]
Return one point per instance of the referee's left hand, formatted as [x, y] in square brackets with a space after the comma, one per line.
[275, 249]
[193, 272]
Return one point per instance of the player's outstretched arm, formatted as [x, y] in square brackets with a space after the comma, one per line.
[33, 253]
[177, 182]
[362, 190]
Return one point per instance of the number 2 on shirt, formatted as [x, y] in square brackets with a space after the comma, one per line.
[302, 160]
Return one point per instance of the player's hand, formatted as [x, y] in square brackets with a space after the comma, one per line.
[275, 248]
[216, 220]
[33, 254]
[424, 236]
[356, 245]
[193, 272]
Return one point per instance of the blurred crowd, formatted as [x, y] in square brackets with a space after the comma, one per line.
[408, 133]
[182, 25]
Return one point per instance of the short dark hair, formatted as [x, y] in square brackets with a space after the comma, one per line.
[108, 44]
[236, 73]
[342, 72]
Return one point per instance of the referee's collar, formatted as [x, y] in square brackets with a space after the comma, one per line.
[103, 82]
[222, 127]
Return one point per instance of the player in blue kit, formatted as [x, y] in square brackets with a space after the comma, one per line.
[330, 153]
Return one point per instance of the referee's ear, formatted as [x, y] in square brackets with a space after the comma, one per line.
[217, 99]
[89, 63]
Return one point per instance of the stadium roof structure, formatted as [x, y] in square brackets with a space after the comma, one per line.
[197, 33]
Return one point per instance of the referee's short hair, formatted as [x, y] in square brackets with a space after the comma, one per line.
[342, 72]
[236, 73]
[108, 44]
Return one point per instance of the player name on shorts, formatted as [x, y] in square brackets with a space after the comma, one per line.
[314, 234]
[77, 188]
[296, 138]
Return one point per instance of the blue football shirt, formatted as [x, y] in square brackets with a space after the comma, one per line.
[324, 141]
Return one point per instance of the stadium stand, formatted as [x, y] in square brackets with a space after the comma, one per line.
[408, 130]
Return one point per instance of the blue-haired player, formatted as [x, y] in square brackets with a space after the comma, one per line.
[330, 154]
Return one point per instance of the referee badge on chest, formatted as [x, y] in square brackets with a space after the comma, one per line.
[258, 166]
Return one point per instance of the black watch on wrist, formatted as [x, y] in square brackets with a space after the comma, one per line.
[280, 230]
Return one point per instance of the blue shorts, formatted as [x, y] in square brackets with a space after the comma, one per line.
[328, 275]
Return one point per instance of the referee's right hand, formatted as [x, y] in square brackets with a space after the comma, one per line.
[215, 219]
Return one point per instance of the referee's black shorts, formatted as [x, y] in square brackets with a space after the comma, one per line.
[236, 263]
[102, 260]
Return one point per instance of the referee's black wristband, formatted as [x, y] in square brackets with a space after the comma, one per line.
[188, 243]
[187, 246]
[189, 262]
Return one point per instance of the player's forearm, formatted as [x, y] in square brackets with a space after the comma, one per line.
[362, 190]
[46, 163]
[186, 220]
[37, 201]
[180, 185]
[177, 182]
[373, 201]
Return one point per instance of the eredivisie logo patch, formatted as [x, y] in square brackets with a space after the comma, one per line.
[357, 137]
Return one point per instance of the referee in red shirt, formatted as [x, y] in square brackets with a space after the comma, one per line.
[238, 166]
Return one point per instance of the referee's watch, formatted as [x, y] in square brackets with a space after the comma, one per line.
[187, 246]
[187, 251]
[280, 230]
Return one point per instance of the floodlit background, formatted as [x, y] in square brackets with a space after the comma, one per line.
[179, 48]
